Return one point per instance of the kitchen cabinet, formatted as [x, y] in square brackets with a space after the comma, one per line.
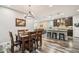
[70, 33]
[55, 23]
[69, 21]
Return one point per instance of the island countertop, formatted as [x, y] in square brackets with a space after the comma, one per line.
[60, 29]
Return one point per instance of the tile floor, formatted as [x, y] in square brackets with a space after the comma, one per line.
[56, 46]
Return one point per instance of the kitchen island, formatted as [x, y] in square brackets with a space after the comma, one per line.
[60, 34]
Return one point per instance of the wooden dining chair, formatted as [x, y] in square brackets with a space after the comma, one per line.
[27, 42]
[39, 38]
[22, 31]
[31, 41]
[13, 43]
[34, 39]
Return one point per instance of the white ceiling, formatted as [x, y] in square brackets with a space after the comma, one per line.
[45, 10]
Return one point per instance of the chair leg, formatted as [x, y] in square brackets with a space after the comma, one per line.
[30, 48]
[23, 47]
[12, 49]
[37, 44]
[20, 45]
[40, 43]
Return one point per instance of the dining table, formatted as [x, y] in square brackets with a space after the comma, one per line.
[23, 38]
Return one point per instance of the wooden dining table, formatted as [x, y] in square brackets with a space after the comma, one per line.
[24, 38]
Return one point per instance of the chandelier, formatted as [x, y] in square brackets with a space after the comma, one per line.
[29, 13]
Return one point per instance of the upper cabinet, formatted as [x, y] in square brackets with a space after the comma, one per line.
[55, 22]
[68, 21]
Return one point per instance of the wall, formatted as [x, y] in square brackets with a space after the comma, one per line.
[47, 22]
[7, 23]
[75, 29]
[30, 23]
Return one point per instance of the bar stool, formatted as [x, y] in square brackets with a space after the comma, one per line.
[61, 36]
[54, 35]
[49, 34]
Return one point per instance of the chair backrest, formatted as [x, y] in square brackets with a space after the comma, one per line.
[39, 35]
[20, 31]
[33, 34]
[23, 31]
[26, 30]
[11, 37]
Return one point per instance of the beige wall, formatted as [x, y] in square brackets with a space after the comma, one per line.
[42, 24]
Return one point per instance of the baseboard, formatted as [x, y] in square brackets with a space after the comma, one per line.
[5, 43]
[75, 37]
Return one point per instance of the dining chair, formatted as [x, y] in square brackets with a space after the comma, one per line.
[32, 42]
[39, 38]
[22, 31]
[34, 39]
[13, 43]
[27, 42]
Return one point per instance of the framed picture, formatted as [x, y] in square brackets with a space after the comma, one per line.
[20, 22]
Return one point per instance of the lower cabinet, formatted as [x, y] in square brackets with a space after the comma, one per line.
[57, 35]
[76, 43]
[61, 36]
[54, 35]
[70, 32]
[48, 34]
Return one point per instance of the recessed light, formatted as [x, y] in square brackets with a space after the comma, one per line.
[78, 10]
[8, 5]
[61, 13]
[50, 5]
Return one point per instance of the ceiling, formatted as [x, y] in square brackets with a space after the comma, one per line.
[45, 10]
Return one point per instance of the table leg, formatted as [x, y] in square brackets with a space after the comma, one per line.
[41, 41]
[22, 46]
[37, 44]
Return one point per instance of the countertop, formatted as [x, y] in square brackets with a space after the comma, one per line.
[59, 29]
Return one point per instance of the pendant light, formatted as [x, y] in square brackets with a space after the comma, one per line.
[29, 13]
